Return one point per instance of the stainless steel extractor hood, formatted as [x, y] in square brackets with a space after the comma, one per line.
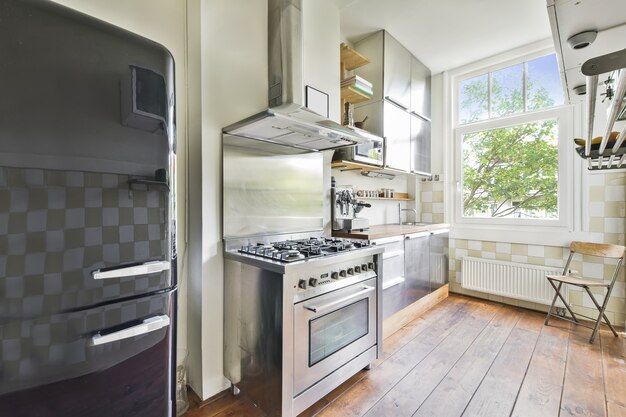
[287, 121]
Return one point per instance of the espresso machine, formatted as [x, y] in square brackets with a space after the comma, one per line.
[345, 209]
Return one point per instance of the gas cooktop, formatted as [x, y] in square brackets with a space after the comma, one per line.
[297, 250]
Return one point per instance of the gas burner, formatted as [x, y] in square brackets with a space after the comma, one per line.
[296, 250]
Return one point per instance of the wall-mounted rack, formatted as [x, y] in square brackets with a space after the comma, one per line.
[614, 156]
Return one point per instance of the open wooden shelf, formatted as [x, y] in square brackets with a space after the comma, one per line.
[353, 166]
[352, 95]
[351, 59]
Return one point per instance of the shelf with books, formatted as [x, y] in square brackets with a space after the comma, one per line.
[354, 89]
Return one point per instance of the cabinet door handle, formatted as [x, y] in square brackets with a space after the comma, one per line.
[397, 103]
[132, 270]
[417, 235]
[151, 324]
[439, 232]
[420, 116]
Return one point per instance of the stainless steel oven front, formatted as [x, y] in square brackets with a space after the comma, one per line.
[332, 329]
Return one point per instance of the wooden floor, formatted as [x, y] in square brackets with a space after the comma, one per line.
[468, 357]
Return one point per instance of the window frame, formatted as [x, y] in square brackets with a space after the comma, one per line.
[565, 119]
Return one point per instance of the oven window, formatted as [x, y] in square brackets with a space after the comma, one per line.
[336, 330]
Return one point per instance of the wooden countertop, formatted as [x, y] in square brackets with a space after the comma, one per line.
[389, 230]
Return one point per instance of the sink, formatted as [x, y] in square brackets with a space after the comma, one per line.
[413, 224]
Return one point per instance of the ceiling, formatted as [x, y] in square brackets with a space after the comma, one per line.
[446, 34]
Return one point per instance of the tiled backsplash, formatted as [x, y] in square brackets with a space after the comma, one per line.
[607, 215]
[432, 201]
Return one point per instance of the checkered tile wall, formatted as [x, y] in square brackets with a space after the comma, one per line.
[607, 216]
[56, 227]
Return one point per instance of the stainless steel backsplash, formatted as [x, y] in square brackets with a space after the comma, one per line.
[270, 189]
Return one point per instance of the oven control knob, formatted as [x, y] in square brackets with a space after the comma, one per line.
[371, 266]
[302, 284]
[334, 275]
[364, 267]
[342, 273]
[357, 269]
[350, 271]
[313, 282]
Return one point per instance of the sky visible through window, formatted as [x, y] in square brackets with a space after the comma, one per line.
[501, 92]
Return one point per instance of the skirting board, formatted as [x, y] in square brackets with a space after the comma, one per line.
[405, 316]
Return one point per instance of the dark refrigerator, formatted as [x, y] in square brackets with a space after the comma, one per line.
[87, 217]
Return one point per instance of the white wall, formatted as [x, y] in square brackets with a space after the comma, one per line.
[228, 82]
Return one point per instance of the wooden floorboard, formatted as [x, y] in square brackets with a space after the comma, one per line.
[409, 393]
[540, 395]
[452, 395]
[614, 367]
[497, 392]
[583, 390]
[474, 358]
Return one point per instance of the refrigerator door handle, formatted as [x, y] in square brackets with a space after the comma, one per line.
[149, 325]
[129, 271]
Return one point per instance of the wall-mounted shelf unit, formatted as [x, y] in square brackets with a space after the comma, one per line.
[586, 38]
[613, 156]
[349, 61]
[353, 96]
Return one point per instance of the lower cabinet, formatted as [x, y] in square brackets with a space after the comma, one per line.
[413, 266]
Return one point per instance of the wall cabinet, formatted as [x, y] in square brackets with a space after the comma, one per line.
[420, 145]
[397, 130]
[396, 72]
[401, 93]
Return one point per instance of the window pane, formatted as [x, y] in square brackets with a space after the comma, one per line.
[512, 172]
[543, 83]
[473, 99]
[507, 86]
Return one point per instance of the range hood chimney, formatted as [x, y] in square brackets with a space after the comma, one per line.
[287, 121]
[285, 52]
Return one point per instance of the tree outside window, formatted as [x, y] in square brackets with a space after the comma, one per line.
[510, 171]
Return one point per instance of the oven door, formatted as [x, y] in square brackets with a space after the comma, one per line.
[332, 329]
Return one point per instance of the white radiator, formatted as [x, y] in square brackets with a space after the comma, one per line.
[510, 279]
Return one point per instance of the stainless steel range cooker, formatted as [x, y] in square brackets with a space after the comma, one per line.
[302, 313]
[301, 317]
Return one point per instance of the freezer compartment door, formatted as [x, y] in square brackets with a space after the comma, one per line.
[114, 360]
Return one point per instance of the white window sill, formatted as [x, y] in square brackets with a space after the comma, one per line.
[547, 236]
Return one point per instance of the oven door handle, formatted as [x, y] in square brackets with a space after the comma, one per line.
[321, 308]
